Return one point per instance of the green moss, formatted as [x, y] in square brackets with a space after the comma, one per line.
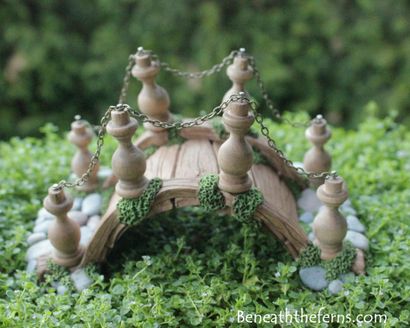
[57, 274]
[210, 198]
[310, 256]
[342, 263]
[245, 204]
[133, 211]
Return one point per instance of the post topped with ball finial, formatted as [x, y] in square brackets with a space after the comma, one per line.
[239, 72]
[329, 225]
[235, 155]
[128, 161]
[153, 100]
[81, 136]
[317, 159]
[64, 233]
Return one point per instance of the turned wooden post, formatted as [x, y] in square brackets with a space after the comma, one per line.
[239, 72]
[128, 161]
[153, 100]
[317, 159]
[81, 136]
[64, 233]
[235, 155]
[330, 225]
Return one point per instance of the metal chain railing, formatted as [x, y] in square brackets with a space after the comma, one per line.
[143, 118]
[199, 75]
[94, 158]
[268, 100]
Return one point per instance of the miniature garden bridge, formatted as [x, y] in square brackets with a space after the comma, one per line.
[180, 166]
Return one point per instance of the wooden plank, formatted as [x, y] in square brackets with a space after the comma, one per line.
[196, 158]
[275, 161]
[274, 191]
[162, 163]
[204, 131]
[287, 230]
[151, 138]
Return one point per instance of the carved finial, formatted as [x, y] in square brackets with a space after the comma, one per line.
[81, 136]
[64, 233]
[317, 159]
[235, 154]
[153, 100]
[330, 225]
[128, 161]
[239, 72]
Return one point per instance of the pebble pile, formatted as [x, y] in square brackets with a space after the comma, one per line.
[86, 212]
[314, 277]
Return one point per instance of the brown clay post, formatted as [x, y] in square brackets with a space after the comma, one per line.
[64, 233]
[128, 161]
[330, 225]
[153, 100]
[81, 136]
[317, 159]
[239, 72]
[235, 154]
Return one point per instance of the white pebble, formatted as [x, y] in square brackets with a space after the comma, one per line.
[92, 204]
[80, 279]
[78, 217]
[353, 223]
[357, 239]
[43, 226]
[43, 213]
[77, 204]
[335, 286]
[41, 248]
[94, 222]
[308, 201]
[86, 234]
[36, 237]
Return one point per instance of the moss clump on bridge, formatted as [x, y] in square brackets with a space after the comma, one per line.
[133, 211]
[209, 195]
[245, 204]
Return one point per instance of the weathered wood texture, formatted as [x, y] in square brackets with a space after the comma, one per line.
[181, 166]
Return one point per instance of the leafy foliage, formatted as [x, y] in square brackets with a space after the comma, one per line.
[331, 57]
[133, 211]
[194, 268]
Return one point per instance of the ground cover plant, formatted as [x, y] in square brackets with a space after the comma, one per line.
[189, 268]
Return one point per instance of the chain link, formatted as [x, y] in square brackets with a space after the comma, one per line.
[181, 124]
[198, 75]
[268, 100]
[272, 144]
[126, 79]
[95, 157]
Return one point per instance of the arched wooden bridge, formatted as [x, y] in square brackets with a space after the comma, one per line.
[180, 166]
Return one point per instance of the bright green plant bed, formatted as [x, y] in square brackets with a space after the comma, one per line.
[190, 268]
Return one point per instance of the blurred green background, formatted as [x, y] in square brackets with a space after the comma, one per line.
[62, 57]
